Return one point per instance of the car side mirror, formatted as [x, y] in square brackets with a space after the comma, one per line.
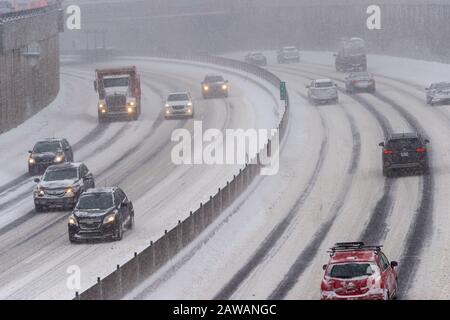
[381, 144]
[37, 180]
[67, 149]
[324, 267]
[394, 264]
[29, 151]
[95, 86]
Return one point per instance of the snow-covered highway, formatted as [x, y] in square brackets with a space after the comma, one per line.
[273, 242]
[35, 252]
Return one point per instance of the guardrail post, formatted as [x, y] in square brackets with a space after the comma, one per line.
[212, 209]
[77, 296]
[120, 289]
[179, 236]
[138, 269]
[220, 205]
[100, 289]
[202, 216]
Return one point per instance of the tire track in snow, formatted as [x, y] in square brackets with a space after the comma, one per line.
[227, 291]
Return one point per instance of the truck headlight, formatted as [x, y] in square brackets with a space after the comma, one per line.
[206, 88]
[59, 159]
[130, 110]
[109, 218]
[101, 105]
[103, 111]
[131, 103]
[224, 87]
[73, 221]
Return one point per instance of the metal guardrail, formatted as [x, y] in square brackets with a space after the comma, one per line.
[143, 264]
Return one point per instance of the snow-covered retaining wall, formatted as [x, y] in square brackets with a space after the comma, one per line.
[29, 63]
[143, 264]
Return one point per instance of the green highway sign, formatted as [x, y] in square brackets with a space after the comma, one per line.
[283, 92]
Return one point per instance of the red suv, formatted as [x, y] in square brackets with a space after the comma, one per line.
[356, 271]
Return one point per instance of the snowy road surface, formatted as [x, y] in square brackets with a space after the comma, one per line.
[273, 241]
[35, 252]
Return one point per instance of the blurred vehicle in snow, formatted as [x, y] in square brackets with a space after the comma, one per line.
[61, 186]
[102, 213]
[358, 272]
[179, 105]
[351, 56]
[404, 152]
[256, 58]
[119, 92]
[49, 152]
[360, 81]
[322, 91]
[288, 54]
[214, 86]
[28, 4]
[438, 93]
[6, 7]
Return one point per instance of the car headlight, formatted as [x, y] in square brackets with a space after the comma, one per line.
[189, 104]
[130, 110]
[70, 192]
[189, 110]
[167, 105]
[40, 192]
[31, 161]
[59, 158]
[206, 88]
[101, 105]
[224, 87]
[131, 103]
[73, 221]
[109, 218]
[167, 111]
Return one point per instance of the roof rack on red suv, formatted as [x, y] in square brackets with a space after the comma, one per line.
[353, 246]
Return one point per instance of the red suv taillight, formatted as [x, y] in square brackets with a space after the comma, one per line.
[421, 150]
[388, 152]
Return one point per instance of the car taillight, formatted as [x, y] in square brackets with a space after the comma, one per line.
[421, 150]
[354, 81]
[388, 152]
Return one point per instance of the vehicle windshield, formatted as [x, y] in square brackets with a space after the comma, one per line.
[360, 75]
[100, 200]
[441, 85]
[47, 146]
[324, 84]
[178, 97]
[350, 270]
[406, 143]
[63, 174]
[116, 82]
[290, 49]
[214, 79]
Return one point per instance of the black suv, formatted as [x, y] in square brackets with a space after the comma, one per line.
[61, 186]
[101, 213]
[48, 152]
[214, 86]
[405, 152]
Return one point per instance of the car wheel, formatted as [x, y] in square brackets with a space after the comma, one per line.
[131, 223]
[119, 232]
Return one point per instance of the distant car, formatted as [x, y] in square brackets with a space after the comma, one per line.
[61, 186]
[351, 56]
[214, 86]
[288, 54]
[49, 152]
[179, 105]
[6, 7]
[404, 152]
[102, 213]
[360, 81]
[438, 93]
[256, 58]
[322, 91]
[358, 272]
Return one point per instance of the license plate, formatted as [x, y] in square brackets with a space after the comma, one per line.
[404, 154]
